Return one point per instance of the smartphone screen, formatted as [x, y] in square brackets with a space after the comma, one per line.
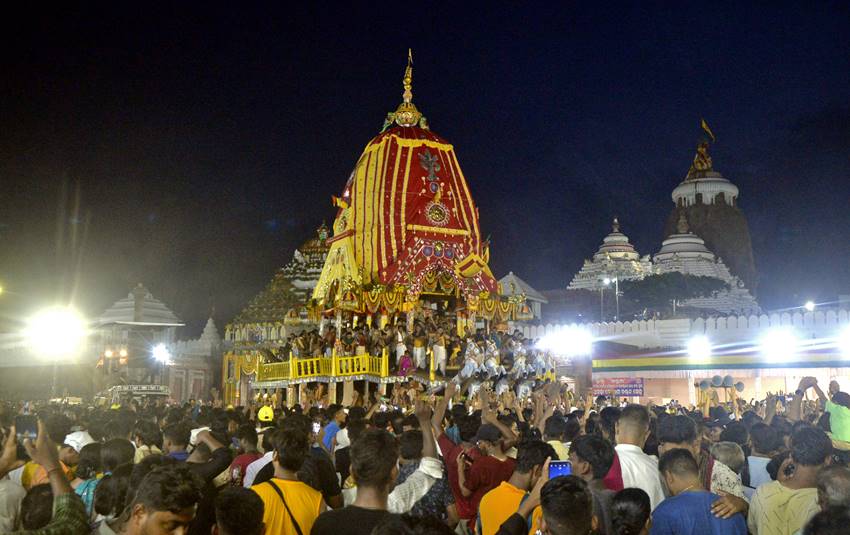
[560, 468]
[26, 426]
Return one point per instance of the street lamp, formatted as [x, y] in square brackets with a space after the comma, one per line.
[616, 280]
[162, 356]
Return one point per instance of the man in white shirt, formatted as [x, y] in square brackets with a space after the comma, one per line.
[254, 468]
[639, 470]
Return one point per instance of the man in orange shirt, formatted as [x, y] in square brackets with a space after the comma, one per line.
[503, 501]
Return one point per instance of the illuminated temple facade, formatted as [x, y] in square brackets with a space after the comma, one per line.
[685, 252]
[616, 257]
[707, 224]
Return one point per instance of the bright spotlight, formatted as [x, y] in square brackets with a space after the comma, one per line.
[699, 348]
[843, 343]
[56, 332]
[779, 345]
[606, 281]
[108, 353]
[571, 342]
[810, 306]
[122, 353]
[161, 354]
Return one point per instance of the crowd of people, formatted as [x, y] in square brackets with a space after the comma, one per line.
[420, 463]
[480, 354]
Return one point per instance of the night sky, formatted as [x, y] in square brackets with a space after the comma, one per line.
[192, 148]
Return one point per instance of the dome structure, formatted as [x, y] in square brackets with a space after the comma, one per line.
[141, 308]
[406, 222]
[687, 253]
[616, 257]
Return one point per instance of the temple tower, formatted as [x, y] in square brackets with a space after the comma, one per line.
[709, 202]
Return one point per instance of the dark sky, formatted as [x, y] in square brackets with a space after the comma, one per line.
[192, 148]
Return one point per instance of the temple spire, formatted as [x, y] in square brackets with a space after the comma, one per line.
[407, 81]
[406, 114]
[702, 160]
[616, 224]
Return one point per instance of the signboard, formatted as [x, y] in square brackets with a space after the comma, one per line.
[622, 386]
[161, 390]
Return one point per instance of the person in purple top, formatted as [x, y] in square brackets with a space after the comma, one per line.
[688, 510]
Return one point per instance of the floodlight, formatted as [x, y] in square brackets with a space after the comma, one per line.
[55, 332]
[572, 341]
[108, 353]
[161, 354]
[699, 348]
[810, 306]
[779, 344]
[122, 353]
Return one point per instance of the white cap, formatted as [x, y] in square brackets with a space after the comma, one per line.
[78, 439]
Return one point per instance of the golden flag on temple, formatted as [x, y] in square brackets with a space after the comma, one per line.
[707, 130]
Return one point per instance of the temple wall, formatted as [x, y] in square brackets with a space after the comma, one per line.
[675, 333]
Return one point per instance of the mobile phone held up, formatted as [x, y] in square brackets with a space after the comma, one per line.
[26, 426]
[317, 427]
[560, 468]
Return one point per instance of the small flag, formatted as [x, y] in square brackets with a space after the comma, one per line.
[707, 130]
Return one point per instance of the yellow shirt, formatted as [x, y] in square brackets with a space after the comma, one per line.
[561, 449]
[34, 474]
[778, 510]
[304, 502]
[498, 505]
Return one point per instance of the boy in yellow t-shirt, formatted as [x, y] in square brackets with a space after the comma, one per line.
[288, 501]
[500, 503]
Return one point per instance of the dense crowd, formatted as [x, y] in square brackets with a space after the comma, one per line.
[418, 463]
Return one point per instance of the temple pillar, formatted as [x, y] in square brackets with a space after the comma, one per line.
[291, 395]
[366, 394]
[331, 392]
[347, 392]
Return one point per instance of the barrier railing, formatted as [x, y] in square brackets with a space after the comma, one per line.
[333, 366]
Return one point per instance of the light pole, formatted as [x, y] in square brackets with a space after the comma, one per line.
[607, 282]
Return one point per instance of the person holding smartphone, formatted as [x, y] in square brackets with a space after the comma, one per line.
[69, 513]
[500, 503]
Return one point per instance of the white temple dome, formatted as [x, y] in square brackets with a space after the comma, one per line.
[684, 244]
[686, 253]
[616, 257]
[705, 187]
[616, 244]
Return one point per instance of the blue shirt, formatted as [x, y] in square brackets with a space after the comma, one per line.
[689, 513]
[179, 455]
[330, 432]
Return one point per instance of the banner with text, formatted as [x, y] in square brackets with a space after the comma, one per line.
[623, 386]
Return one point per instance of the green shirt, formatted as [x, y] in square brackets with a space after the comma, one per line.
[69, 518]
[839, 421]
